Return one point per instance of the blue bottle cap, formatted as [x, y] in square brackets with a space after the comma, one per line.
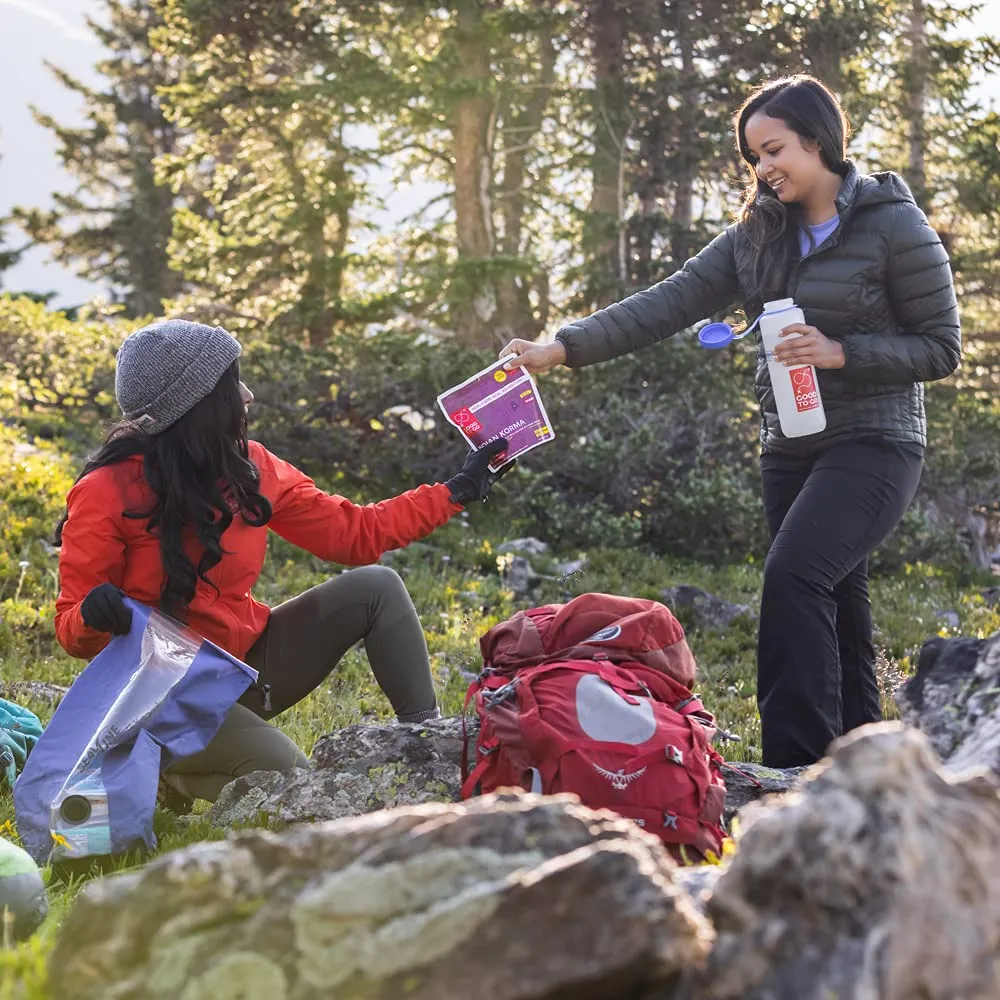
[715, 335]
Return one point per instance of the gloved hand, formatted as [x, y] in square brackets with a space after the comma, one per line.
[104, 610]
[475, 479]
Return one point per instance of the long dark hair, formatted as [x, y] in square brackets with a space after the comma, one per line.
[200, 471]
[811, 110]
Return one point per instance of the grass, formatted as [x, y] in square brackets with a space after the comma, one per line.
[459, 591]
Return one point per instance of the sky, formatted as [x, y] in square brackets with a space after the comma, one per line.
[33, 32]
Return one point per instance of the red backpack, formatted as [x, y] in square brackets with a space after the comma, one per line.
[594, 697]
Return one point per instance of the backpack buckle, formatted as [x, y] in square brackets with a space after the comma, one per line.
[674, 754]
[501, 694]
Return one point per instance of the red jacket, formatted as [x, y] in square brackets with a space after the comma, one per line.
[100, 544]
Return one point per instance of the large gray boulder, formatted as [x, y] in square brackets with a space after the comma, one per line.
[358, 770]
[368, 767]
[878, 878]
[512, 897]
[954, 697]
[703, 610]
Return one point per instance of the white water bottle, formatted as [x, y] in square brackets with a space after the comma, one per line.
[796, 389]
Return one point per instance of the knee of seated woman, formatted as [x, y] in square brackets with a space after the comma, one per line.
[378, 579]
[273, 750]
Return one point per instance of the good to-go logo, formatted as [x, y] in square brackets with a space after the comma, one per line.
[804, 388]
[463, 418]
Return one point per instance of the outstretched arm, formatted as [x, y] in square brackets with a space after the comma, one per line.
[333, 528]
[706, 284]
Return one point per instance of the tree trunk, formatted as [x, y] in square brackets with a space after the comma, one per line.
[605, 235]
[915, 86]
[680, 241]
[515, 317]
[320, 294]
[473, 295]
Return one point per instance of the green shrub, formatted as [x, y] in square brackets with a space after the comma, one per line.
[57, 375]
[360, 413]
[33, 486]
[657, 449]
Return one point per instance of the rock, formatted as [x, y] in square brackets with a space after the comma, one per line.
[950, 618]
[512, 897]
[297, 796]
[37, 690]
[571, 568]
[368, 767]
[698, 881]
[702, 609]
[518, 574]
[358, 770]
[990, 596]
[954, 697]
[532, 546]
[746, 783]
[432, 749]
[879, 877]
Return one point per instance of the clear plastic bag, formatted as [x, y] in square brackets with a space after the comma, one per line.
[79, 820]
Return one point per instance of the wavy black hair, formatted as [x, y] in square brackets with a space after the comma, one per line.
[810, 109]
[200, 471]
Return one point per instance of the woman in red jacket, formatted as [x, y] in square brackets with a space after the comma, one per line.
[173, 512]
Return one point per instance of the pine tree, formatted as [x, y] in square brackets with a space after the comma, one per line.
[8, 255]
[113, 228]
[477, 114]
[930, 129]
[275, 100]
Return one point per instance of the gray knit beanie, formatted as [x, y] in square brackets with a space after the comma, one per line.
[165, 369]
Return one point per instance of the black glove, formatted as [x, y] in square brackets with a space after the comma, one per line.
[104, 610]
[475, 479]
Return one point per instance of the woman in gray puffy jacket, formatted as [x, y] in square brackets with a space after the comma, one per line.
[874, 282]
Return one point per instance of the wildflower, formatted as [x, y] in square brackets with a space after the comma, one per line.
[728, 850]
[60, 840]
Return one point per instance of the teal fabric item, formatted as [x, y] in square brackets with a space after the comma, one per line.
[19, 732]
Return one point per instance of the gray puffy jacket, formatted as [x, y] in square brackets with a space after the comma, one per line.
[881, 285]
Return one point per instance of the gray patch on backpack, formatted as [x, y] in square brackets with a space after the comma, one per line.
[606, 716]
[608, 632]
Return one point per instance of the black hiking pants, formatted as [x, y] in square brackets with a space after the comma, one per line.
[815, 657]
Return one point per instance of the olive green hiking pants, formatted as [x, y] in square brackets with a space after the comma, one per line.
[304, 641]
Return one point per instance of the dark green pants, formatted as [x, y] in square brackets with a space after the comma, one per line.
[304, 641]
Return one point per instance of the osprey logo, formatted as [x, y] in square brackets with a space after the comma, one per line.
[619, 779]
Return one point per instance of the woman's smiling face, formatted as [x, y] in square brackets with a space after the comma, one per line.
[790, 165]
